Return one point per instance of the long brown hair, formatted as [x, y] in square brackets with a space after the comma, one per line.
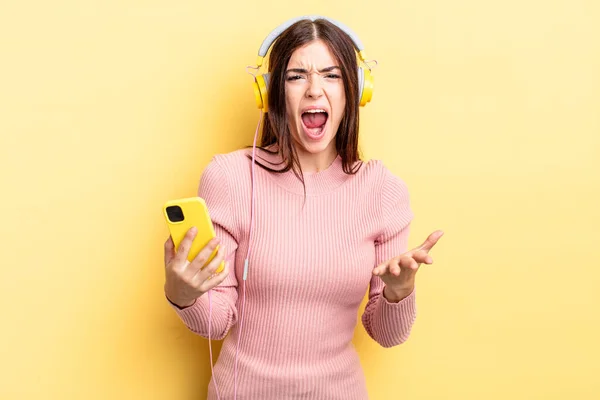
[276, 130]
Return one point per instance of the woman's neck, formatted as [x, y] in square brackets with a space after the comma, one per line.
[316, 162]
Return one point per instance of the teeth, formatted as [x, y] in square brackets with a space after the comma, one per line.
[317, 110]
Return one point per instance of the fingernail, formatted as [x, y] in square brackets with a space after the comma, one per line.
[193, 229]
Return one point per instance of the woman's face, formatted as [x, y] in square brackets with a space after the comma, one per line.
[315, 98]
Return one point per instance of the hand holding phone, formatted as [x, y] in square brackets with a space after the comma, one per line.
[194, 261]
[182, 215]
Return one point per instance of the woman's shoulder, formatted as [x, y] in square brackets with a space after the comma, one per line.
[223, 169]
[237, 162]
[233, 162]
[383, 182]
[382, 177]
[390, 190]
[232, 157]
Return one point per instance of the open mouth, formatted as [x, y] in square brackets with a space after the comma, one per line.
[314, 122]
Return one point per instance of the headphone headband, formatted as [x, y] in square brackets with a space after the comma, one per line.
[274, 34]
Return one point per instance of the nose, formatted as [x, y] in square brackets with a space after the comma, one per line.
[315, 87]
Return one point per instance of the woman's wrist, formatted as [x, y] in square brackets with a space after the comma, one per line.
[180, 303]
[395, 295]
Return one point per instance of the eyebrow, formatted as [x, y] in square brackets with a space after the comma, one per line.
[304, 71]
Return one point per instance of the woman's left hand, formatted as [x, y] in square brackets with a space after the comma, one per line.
[399, 273]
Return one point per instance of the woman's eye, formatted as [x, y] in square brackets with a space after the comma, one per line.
[297, 77]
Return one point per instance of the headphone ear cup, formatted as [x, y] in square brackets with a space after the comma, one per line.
[365, 86]
[261, 94]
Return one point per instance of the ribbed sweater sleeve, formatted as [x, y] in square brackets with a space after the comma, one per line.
[214, 189]
[390, 323]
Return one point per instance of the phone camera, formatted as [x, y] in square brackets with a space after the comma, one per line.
[175, 213]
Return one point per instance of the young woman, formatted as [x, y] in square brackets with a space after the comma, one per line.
[306, 234]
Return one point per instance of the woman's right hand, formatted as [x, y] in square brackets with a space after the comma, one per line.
[186, 281]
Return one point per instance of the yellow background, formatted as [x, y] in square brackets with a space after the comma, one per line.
[488, 110]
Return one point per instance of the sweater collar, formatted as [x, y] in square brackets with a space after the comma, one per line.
[316, 183]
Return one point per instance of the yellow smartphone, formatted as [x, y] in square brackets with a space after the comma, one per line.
[181, 215]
